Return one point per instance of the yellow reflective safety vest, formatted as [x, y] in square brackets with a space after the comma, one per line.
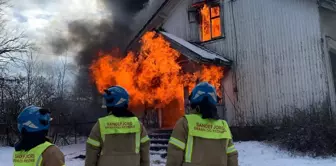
[204, 128]
[120, 125]
[33, 157]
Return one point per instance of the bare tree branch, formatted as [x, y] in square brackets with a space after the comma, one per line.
[11, 42]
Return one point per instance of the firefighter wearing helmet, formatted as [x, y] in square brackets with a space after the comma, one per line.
[201, 138]
[119, 138]
[34, 148]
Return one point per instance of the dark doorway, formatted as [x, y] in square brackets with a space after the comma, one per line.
[333, 65]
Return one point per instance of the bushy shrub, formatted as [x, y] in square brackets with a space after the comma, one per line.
[311, 131]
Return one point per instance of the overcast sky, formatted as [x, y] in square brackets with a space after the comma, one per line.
[36, 16]
[41, 19]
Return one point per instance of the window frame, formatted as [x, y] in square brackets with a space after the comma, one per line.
[221, 14]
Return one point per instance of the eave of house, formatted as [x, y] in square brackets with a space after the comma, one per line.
[195, 52]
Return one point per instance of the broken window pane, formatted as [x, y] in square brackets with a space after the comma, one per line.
[216, 27]
[205, 23]
[215, 11]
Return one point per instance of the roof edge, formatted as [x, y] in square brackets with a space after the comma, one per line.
[151, 20]
[196, 52]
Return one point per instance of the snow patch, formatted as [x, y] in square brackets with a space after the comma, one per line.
[261, 154]
[159, 145]
[158, 152]
[250, 154]
[156, 160]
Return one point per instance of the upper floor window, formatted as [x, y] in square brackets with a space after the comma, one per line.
[208, 16]
[210, 26]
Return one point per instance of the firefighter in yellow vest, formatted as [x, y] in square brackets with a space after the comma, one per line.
[201, 138]
[119, 138]
[34, 148]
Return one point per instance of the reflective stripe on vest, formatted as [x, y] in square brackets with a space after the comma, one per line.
[177, 143]
[33, 157]
[120, 125]
[93, 142]
[204, 128]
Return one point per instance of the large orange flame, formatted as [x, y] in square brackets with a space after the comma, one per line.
[206, 23]
[152, 77]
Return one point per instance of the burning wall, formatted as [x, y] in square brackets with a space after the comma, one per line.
[153, 77]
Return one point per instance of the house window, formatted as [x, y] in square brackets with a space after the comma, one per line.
[210, 22]
[207, 15]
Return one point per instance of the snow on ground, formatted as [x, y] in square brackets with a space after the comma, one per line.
[250, 154]
[261, 154]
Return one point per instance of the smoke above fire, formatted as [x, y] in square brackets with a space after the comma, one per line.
[109, 27]
[91, 36]
[152, 76]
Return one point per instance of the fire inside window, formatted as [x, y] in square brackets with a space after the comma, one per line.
[210, 25]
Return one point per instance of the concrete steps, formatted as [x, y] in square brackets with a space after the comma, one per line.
[159, 142]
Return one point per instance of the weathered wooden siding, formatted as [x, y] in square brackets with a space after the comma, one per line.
[276, 45]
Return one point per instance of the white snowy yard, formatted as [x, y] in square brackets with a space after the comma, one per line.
[250, 154]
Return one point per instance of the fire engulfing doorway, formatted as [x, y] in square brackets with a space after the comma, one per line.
[163, 117]
[160, 76]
